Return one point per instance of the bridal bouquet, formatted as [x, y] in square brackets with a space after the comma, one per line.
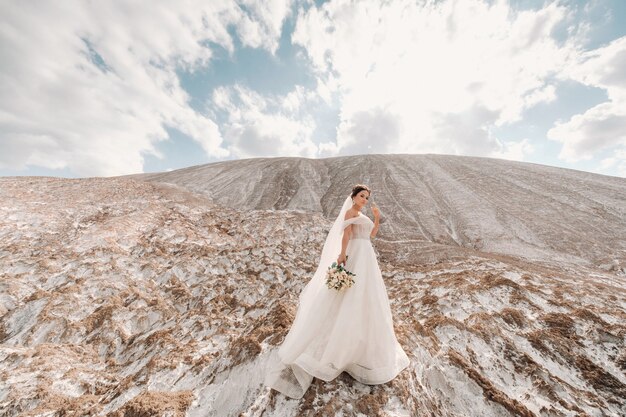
[337, 277]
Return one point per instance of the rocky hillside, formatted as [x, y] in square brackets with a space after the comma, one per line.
[126, 297]
[521, 209]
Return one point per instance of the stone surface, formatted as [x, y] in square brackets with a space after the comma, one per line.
[121, 296]
[491, 205]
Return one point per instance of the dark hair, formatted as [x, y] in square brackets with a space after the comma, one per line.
[358, 188]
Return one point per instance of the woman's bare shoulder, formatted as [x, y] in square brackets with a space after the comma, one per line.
[351, 213]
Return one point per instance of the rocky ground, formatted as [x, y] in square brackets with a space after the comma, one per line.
[123, 297]
[492, 205]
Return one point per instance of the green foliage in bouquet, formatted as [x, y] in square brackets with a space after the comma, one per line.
[338, 277]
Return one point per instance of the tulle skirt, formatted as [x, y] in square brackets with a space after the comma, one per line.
[349, 330]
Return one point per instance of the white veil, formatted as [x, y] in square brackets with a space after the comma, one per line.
[283, 375]
[330, 252]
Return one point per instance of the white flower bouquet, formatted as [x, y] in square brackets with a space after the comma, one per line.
[337, 277]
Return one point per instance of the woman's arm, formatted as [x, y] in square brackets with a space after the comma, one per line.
[376, 220]
[375, 229]
[344, 244]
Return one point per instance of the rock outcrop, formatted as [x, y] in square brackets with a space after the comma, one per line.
[130, 296]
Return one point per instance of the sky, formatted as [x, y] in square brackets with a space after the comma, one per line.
[112, 88]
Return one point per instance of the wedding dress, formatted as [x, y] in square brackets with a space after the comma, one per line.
[347, 330]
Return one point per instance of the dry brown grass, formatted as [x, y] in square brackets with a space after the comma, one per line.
[514, 317]
[153, 403]
[429, 300]
[102, 314]
[490, 392]
[600, 379]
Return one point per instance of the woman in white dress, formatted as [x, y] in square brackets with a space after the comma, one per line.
[347, 330]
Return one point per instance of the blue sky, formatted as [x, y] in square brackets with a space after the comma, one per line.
[115, 88]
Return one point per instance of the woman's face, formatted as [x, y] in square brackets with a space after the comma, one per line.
[362, 197]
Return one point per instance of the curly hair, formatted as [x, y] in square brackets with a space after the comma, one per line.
[358, 188]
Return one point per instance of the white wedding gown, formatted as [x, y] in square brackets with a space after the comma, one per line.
[348, 330]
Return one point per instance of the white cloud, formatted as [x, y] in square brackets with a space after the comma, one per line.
[92, 87]
[602, 127]
[584, 135]
[269, 16]
[515, 151]
[257, 125]
[373, 131]
[432, 76]
[617, 161]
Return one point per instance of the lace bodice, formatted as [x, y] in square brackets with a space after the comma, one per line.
[362, 226]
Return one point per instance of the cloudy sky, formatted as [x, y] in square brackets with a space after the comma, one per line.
[117, 87]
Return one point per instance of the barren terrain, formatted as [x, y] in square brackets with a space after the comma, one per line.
[165, 294]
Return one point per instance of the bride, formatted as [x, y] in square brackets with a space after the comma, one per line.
[347, 330]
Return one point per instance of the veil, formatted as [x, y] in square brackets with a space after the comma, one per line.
[330, 252]
[283, 374]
